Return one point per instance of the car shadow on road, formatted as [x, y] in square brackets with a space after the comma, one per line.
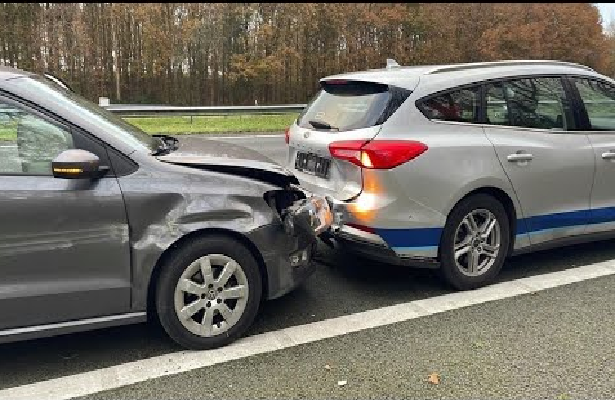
[342, 284]
[546, 261]
[345, 283]
[40, 359]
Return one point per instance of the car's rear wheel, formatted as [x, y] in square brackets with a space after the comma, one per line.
[475, 242]
[208, 292]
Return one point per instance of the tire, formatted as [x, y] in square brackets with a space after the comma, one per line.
[208, 302]
[460, 273]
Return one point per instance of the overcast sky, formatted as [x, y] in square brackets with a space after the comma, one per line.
[608, 12]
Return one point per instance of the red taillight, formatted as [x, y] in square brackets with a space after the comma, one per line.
[377, 154]
[287, 135]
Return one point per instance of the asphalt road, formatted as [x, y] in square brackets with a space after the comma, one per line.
[524, 345]
[557, 344]
[270, 145]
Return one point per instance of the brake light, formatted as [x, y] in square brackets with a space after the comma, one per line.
[377, 154]
[287, 135]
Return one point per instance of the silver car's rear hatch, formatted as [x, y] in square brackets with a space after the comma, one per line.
[347, 111]
[343, 179]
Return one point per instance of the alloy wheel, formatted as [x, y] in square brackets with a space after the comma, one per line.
[211, 295]
[477, 242]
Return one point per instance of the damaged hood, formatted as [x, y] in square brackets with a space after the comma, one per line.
[232, 159]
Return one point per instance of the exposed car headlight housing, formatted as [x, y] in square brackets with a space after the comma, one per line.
[311, 216]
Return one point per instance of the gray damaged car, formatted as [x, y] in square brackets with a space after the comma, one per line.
[103, 225]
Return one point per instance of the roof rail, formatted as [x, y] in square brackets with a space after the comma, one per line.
[505, 63]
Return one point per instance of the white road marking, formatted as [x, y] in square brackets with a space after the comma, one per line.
[9, 146]
[170, 364]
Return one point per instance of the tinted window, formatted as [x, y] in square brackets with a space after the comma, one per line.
[599, 100]
[530, 103]
[28, 143]
[347, 105]
[497, 110]
[459, 105]
[112, 124]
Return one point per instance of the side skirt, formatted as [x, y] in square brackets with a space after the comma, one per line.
[61, 328]
[567, 241]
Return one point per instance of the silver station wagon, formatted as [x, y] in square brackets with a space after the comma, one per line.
[457, 167]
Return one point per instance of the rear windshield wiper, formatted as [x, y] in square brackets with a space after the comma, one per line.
[167, 145]
[322, 125]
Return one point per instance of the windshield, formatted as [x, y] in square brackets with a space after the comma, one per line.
[106, 120]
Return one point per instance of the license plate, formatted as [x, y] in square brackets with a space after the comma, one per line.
[313, 164]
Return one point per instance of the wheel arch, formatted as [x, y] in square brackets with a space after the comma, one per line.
[504, 198]
[199, 234]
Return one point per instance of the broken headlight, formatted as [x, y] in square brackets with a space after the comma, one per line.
[311, 216]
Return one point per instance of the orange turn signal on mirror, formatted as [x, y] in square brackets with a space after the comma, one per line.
[68, 170]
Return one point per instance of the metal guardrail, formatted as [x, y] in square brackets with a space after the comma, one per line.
[137, 110]
[134, 110]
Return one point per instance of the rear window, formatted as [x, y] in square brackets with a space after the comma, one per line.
[347, 105]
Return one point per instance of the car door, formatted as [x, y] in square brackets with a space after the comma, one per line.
[550, 168]
[64, 251]
[597, 105]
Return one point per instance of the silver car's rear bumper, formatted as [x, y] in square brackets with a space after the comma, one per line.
[380, 251]
[369, 245]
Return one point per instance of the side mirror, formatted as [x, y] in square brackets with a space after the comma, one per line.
[77, 164]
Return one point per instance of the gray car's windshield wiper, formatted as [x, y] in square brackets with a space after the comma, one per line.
[322, 125]
[167, 145]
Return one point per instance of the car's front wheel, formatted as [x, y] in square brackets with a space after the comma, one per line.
[475, 242]
[208, 292]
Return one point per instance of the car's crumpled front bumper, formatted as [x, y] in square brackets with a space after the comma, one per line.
[311, 217]
[288, 246]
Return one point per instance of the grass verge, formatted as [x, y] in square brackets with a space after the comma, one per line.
[198, 125]
[214, 124]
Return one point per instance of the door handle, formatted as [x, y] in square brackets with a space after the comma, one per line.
[609, 155]
[519, 157]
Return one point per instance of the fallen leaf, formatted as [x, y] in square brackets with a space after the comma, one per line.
[328, 367]
[434, 378]
[342, 383]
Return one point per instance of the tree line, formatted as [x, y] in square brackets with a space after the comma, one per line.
[274, 53]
